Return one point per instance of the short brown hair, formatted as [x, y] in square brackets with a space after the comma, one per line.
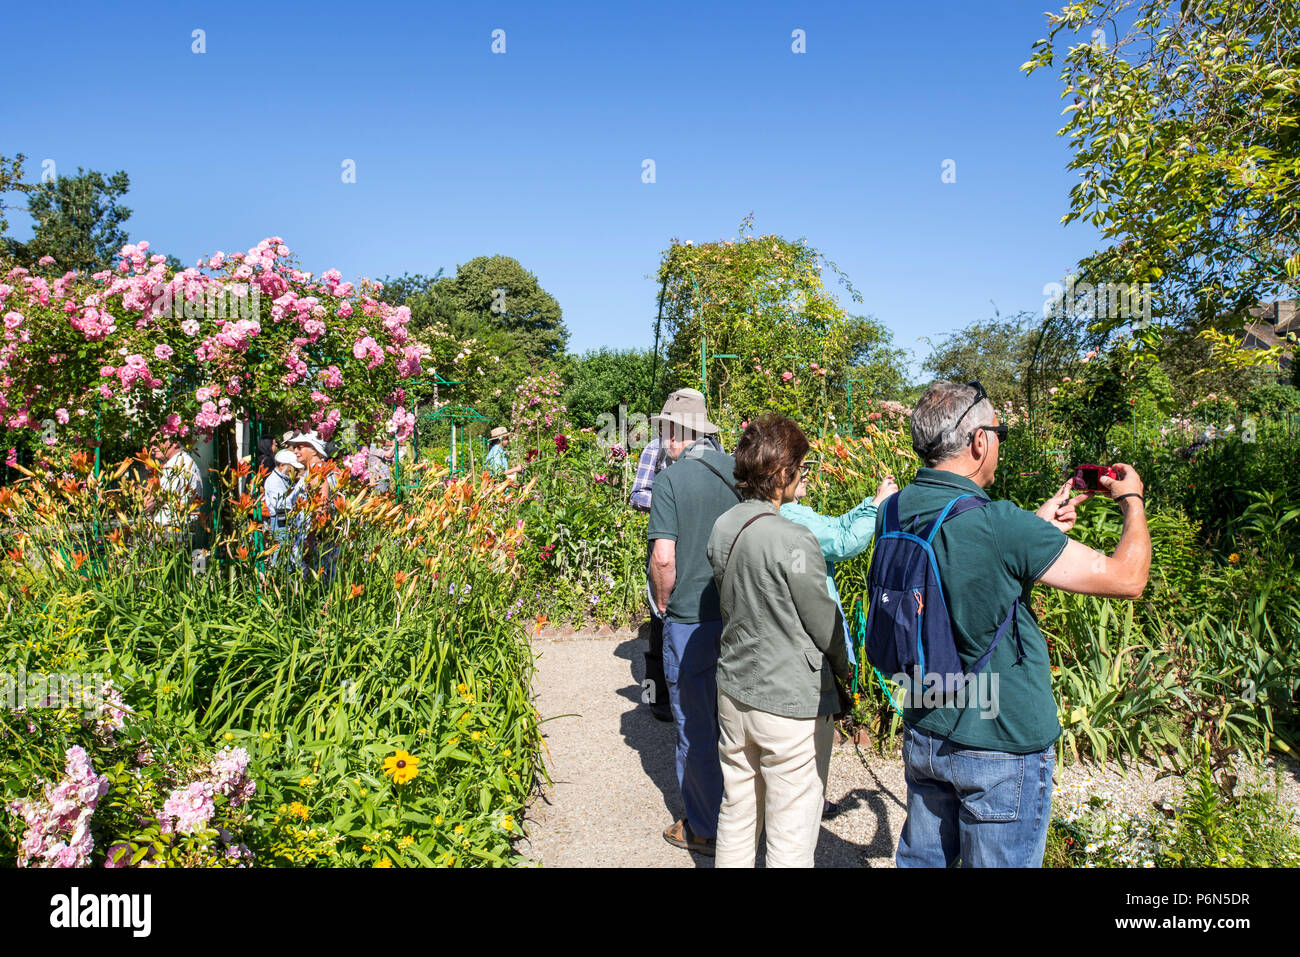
[767, 454]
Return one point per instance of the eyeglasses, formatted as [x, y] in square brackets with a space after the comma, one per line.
[804, 469]
[1001, 431]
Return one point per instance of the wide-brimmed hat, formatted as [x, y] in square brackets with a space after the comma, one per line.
[685, 407]
[500, 432]
[285, 457]
[312, 439]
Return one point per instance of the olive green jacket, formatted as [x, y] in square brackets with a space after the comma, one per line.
[782, 635]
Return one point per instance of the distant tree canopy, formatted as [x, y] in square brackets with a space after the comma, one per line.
[500, 310]
[996, 352]
[877, 366]
[602, 379]
[77, 220]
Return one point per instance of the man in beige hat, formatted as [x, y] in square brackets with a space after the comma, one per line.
[688, 498]
[498, 442]
[654, 459]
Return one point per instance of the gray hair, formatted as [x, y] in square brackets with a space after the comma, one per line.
[938, 419]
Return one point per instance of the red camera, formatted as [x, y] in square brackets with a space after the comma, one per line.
[1088, 477]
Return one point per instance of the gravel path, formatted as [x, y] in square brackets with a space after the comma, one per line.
[614, 788]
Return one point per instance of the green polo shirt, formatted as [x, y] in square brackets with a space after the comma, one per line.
[987, 559]
[687, 500]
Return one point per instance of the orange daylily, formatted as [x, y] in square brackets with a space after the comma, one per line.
[15, 555]
[81, 462]
[78, 559]
[541, 621]
[356, 590]
[242, 468]
[115, 536]
[242, 552]
[399, 578]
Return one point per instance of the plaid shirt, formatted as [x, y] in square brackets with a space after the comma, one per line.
[648, 466]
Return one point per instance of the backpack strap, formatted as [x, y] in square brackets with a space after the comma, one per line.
[738, 534]
[724, 481]
[962, 503]
[1011, 622]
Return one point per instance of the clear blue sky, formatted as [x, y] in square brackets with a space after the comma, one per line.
[537, 153]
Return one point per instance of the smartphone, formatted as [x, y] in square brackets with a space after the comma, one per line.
[1088, 477]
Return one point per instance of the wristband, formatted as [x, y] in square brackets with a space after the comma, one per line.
[1136, 495]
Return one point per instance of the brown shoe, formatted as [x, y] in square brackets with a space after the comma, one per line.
[679, 835]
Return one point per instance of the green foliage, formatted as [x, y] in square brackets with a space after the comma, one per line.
[1184, 130]
[602, 379]
[762, 299]
[11, 181]
[77, 220]
[996, 352]
[880, 369]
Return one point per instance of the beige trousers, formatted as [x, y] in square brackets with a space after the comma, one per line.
[774, 773]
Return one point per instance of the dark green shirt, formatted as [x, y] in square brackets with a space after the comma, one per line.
[687, 500]
[987, 559]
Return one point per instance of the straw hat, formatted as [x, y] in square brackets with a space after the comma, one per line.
[500, 432]
[685, 407]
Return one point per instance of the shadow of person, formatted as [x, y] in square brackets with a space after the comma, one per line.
[654, 741]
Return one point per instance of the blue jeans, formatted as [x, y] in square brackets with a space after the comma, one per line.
[691, 672]
[984, 808]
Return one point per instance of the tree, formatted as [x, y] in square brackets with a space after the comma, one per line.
[496, 292]
[11, 176]
[996, 352]
[878, 368]
[761, 299]
[602, 379]
[1186, 134]
[78, 220]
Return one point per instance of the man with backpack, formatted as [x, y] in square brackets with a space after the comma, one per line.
[688, 498]
[950, 617]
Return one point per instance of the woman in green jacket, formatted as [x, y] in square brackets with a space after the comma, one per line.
[781, 652]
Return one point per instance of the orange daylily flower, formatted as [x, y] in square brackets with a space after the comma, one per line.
[399, 578]
[356, 590]
[242, 468]
[78, 559]
[541, 621]
[15, 555]
[242, 552]
[245, 502]
[115, 536]
[81, 462]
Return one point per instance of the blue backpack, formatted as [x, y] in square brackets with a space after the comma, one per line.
[909, 633]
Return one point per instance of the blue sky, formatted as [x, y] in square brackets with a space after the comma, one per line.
[537, 153]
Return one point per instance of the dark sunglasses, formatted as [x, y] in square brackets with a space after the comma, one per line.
[1001, 431]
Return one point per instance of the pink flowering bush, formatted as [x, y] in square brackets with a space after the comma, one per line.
[139, 349]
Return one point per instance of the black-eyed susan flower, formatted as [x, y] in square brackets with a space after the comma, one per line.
[401, 767]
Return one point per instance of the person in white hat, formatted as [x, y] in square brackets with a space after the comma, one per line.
[179, 485]
[497, 463]
[275, 499]
[309, 448]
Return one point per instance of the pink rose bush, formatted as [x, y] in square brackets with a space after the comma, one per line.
[243, 332]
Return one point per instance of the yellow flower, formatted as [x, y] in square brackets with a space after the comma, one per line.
[402, 767]
[229, 736]
[476, 736]
[454, 741]
[306, 782]
[384, 862]
[461, 688]
[166, 689]
[458, 829]
[1234, 558]
[437, 820]
[507, 823]
[266, 735]
[405, 842]
[300, 809]
[365, 847]
[507, 752]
